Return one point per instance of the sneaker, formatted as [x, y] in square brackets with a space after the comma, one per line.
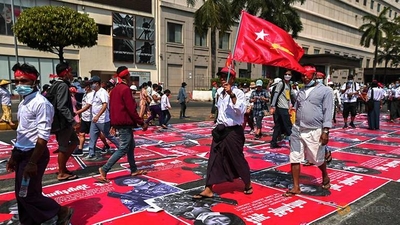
[77, 152]
[257, 137]
[352, 125]
[105, 149]
[345, 126]
[91, 158]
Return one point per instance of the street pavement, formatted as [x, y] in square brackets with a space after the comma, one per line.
[379, 207]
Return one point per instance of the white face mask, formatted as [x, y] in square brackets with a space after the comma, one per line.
[287, 77]
[319, 80]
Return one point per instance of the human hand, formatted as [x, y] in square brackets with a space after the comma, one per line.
[227, 88]
[30, 170]
[95, 119]
[324, 139]
[112, 131]
[272, 110]
[11, 165]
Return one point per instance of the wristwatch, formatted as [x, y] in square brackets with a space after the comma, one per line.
[326, 131]
[232, 95]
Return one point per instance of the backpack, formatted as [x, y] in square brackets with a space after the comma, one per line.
[273, 91]
[59, 121]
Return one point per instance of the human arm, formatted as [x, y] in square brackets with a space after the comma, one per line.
[130, 104]
[63, 97]
[327, 110]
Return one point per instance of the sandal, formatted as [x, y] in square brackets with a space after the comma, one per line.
[326, 184]
[290, 193]
[139, 172]
[308, 164]
[248, 191]
[328, 156]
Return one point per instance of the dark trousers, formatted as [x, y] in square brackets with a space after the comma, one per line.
[395, 109]
[182, 113]
[213, 108]
[155, 110]
[373, 116]
[34, 208]
[282, 124]
[166, 115]
[248, 118]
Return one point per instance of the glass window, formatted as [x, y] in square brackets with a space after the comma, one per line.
[4, 68]
[395, 14]
[372, 4]
[104, 29]
[390, 13]
[200, 40]
[365, 2]
[224, 41]
[379, 7]
[305, 50]
[327, 52]
[316, 51]
[46, 68]
[361, 62]
[367, 63]
[174, 32]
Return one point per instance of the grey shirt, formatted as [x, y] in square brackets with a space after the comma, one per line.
[283, 100]
[64, 103]
[314, 110]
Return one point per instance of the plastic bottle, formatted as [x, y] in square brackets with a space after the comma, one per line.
[23, 191]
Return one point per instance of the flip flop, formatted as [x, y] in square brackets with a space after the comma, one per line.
[69, 177]
[139, 172]
[248, 191]
[67, 172]
[200, 196]
[67, 218]
[101, 180]
[308, 164]
[289, 194]
[326, 184]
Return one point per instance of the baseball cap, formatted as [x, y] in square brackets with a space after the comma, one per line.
[95, 79]
[259, 83]
[133, 87]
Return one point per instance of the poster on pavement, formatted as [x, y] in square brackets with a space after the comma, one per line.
[262, 157]
[383, 151]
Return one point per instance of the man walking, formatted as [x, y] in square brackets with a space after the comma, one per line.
[123, 117]
[64, 121]
[5, 97]
[227, 160]
[350, 91]
[30, 155]
[280, 105]
[310, 132]
[100, 118]
[182, 99]
[259, 98]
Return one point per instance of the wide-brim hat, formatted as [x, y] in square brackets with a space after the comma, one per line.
[252, 84]
[4, 82]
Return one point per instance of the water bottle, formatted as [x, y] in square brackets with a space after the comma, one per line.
[23, 191]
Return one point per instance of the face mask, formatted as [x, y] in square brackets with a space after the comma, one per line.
[93, 86]
[319, 81]
[350, 81]
[397, 85]
[287, 77]
[245, 89]
[310, 84]
[24, 89]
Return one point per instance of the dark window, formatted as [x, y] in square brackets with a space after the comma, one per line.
[174, 32]
[372, 4]
[104, 29]
[200, 40]
[365, 2]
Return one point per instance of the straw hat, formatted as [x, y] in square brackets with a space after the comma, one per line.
[4, 82]
[253, 84]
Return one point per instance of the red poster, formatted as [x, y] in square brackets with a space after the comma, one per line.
[175, 170]
[346, 187]
[376, 166]
[264, 206]
[262, 157]
[144, 218]
[371, 150]
[166, 136]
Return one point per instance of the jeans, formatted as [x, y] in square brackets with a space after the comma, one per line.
[127, 145]
[182, 113]
[282, 124]
[166, 115]
[95, 129]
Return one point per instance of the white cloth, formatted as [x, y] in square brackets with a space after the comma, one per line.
[100, 97]
[87, 100]
[247, 95]
[231, 114]
[35, 115]
[378, 94]
[350, 88]
[396, 93]
[336, 96]
[5, 96]
[165, 103]
[153, 102]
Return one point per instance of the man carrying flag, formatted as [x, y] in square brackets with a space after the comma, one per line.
[262, 42]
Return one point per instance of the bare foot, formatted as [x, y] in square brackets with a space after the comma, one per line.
[103, 175]
[291, 193]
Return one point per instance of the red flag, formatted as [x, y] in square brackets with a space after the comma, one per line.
[262, 42]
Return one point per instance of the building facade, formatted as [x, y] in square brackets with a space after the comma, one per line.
[156, 40]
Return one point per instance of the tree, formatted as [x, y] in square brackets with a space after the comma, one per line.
[52, 28]
[214, 15]
[373, 31]
[389, 52]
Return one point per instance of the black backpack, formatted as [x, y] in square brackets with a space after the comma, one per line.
[59, 121]
[273, 91]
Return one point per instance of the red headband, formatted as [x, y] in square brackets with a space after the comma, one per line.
[30, 76]
[63, 73]
[123, 73]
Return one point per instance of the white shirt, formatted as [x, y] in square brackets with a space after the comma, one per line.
[231, 114]
[396, 93]
[378, 93]
[165, 102]
[100, 97]
[35, 115]
[87, 100]
[5, 96]
[247, 95]
[354, 88]
[336, 96]
[153, 102]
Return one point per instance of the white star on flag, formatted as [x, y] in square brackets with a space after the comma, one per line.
[261, 35]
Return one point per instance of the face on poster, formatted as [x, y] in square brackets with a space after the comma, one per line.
[145, 28]
[373, 152]
[123, 50]
[123, 26]
[145, 52]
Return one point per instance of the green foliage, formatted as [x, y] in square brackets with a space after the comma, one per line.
[52, 28]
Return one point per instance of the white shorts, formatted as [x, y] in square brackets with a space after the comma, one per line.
[305, 144]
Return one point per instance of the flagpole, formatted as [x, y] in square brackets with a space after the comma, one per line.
[234, 45]
[15, 38]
